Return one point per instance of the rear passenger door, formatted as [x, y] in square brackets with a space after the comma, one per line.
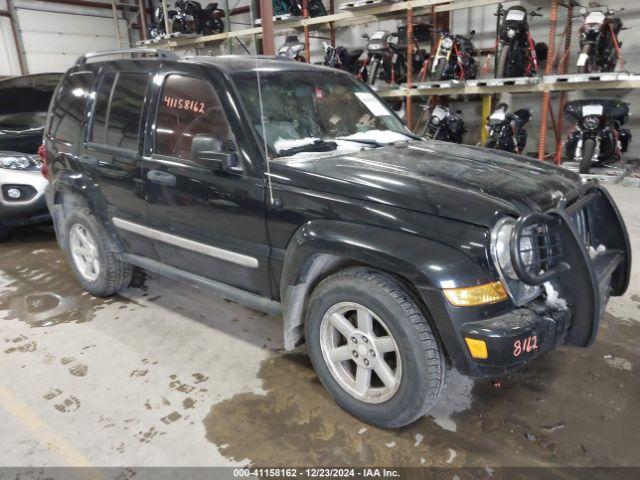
[113, 148]
[205, 220]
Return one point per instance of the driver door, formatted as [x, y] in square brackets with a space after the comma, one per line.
[202, 219]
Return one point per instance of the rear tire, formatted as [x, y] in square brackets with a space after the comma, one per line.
[588, 148]
[502, 61]
[403, 349]
[106, 274]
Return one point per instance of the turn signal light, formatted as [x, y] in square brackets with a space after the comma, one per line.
[477, 348]
[479, 295]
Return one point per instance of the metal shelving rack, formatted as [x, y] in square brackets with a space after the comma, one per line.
[483, 89]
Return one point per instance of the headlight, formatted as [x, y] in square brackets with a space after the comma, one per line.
[511, 33]
[591, 122]
[435, 120]
[447, 42]
[17, 163]
[519, 291]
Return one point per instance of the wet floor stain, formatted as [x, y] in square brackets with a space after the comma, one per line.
[544, 415]
[39, 288]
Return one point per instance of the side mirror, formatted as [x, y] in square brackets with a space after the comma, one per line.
[209, 151]
[365, 36]
[539, 8]
[472, 33]
[458, 111]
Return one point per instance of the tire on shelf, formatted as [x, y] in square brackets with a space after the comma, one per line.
[588, 147]
[502, 61]
[438, 73]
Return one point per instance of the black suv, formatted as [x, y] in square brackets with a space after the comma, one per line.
[293, 189]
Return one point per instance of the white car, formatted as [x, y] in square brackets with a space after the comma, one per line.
[22, 200]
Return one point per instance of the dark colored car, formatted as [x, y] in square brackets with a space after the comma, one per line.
[24, 102]
[293, 189]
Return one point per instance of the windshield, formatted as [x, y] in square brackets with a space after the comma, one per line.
[315, 111]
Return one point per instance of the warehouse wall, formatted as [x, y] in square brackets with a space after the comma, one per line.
[54, 35]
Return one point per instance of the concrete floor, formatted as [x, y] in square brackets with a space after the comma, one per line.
[168, 375]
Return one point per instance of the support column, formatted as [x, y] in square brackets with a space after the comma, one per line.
[563, 69]
[266, 15]
[486, 111]
[408, 111]
[17, 37]
[546, 96]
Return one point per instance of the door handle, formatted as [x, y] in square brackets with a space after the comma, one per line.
[162, 178]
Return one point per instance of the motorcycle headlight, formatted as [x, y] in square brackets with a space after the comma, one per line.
[447, 42]
[17, 163]
[591, 122]
[511, 33]
[435, 120]
[519, 292]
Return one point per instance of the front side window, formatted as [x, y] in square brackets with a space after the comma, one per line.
[188, 107]
[68, 111]
[117, 118]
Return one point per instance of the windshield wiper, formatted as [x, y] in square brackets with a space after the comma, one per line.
[318, 145]
[365, 141]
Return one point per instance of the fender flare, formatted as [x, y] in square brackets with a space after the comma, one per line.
[321, 247]
[82, 186]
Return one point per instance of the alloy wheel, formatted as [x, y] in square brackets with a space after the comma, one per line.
[360, 352]
[84, 251]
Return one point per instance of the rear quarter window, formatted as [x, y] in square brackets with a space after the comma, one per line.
[69, 106]
[117, 118]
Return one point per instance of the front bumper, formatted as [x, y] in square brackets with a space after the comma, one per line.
[29, 210]
[595, 248]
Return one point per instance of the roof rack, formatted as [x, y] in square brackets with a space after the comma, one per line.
[158, 52]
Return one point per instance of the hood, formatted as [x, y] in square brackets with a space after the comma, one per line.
[461, 182]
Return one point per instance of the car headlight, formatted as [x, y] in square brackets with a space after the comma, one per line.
[591, 122]
[17, 163]
[511, 33]
[519, 291]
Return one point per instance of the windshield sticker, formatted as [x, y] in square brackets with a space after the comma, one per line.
[184, 104]
[374, 105]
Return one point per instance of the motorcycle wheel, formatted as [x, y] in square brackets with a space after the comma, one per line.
[587, 154]
[438, 74]
[502, 61]
[373, 72]
[440, 135]
[217, 26]
[586, 68]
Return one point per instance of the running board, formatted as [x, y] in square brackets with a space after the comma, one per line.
[234, 294]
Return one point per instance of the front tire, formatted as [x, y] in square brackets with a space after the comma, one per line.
[586, 68]
[588, 147]
[92, 256]
[438, 73]
[502, 61]
[373, 349]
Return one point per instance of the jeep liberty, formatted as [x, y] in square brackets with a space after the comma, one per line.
[295, 190]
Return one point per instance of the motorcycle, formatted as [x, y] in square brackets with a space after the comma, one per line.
[385, 59]
[518, 55]
[341, 58]
[444, 125]
[293, 49]
[315, 8]
[599, 45]
[506, 130]
[454, 57]
[598, 137]
[188, 17]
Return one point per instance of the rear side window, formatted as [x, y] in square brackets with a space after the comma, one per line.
[117, 114]
[68, 111]
[188, 107]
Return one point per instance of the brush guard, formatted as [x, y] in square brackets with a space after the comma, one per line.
[563, 248]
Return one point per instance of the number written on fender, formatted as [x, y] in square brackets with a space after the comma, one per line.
[525, 345]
